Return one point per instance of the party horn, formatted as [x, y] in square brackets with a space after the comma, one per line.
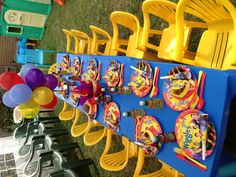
[181, 157]
[121, 75]
[154, 90]
[203, 128]
[99, 71]
[179, 151]
[81, 66]
[138, 70]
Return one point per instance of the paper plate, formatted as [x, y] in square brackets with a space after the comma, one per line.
[141, 80]
[189, 135]
[90, 109]
[148, 128]
[92, 71]
[112, 76]
[76, 68]
[112, 116]
[180, 94]
[65, 64]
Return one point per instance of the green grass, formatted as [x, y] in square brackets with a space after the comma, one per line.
[80, 14]
[95, 152]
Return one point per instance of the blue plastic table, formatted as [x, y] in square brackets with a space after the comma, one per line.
[218, 93]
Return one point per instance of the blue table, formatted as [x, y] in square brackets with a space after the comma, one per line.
[218, 93]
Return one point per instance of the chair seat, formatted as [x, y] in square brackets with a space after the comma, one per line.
[67, 114]
[24, 150]
[92, 138]
[115, 161]
[78, 130]
[20, 132]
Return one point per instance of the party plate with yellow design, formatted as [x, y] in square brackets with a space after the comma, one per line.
[112, 76]
[112, 116]
[195, 133]
[141, 80]
[180, 89]
[147, 128]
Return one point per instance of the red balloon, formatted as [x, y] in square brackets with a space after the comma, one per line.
[9, 79]
[52, 104]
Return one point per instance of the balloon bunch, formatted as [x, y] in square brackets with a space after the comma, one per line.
[28, 90]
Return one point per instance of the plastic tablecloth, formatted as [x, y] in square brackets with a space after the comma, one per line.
[218, 92]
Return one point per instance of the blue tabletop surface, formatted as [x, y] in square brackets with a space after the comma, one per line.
[218, 93]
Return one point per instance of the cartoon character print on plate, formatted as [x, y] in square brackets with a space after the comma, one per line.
[65, 64]
[64, 90]
[194, 133]
[112, 76]
[90, 109]
[93, 71]
[112, 116]
[141, 80]
[147, 128]
[76, 68]
[180, 88]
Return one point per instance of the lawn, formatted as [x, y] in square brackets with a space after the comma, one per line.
[80, 14]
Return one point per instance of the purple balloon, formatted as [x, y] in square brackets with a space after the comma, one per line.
[8, 101]
[34, 78]
[50, 81]
[20, 93]
[25, 69]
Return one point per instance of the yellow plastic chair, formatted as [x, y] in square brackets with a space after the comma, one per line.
[165, 170]
[119, 160]
[93, 137]
[217, 47]
[52, 69]
[131, 48]
[66, 113]
[83, 43]
[17, 115]
[69, 38]
[166, 11]
[79, 129]
[100, 38]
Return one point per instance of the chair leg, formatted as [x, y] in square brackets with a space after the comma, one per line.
[78, 130]
[140, 162]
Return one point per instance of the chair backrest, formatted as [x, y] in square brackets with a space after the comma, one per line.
[131, 147]
[83, 42]
[132, 23]
[165, 10]
[97, 42]
[217, 47]
[68, 42]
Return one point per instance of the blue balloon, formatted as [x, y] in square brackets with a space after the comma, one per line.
[7, 101]
[25, 69]
[20, 93]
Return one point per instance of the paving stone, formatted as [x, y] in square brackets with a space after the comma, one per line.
[9, 156]
[11, 163]
[1, 158]
[3, 167]
[11, 172]
[4, 173]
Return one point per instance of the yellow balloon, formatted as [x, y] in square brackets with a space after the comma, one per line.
[42, 95]
[30, 109]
